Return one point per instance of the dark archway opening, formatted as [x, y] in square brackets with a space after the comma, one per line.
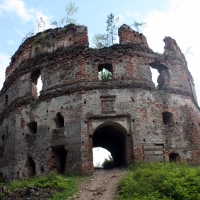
[113, 140]
[174, 157]
[59, 120]
[167, 118]
[30, 165]
[59, 158]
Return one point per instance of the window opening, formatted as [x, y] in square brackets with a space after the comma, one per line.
[99, 156]
[155, 74]
[59, 120]
[36, 84]
[1, 175]
[30, 165]
[32, 127]
[160, 75]
[42, 169]
[39, 85]
[3, 138]
[105, 72]
[58, 158]
[1, 153]
[6, 100]
[167, 118]
[174, 157]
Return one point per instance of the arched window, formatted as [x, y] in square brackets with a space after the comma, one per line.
[105, 72]
[167, 118]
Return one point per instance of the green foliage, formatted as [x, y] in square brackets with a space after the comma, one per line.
[105, 75]
[70, 10]
[139, 26]
[105, 40]
[54, 24]
[99, 40]
[66, 185]
[161, 181]
[108, 163]
[2, 196]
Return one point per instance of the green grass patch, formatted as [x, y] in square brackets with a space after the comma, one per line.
[161, 181]
[65, 185]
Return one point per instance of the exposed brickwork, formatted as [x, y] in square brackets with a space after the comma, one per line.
[76, 111]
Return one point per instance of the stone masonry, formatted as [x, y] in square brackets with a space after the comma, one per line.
[76, 111]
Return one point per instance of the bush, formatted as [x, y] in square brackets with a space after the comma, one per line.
[66, 185]
[105, 75]
[161, 181]
[108, 163]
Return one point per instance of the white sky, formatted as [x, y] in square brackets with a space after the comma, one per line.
[179, 19]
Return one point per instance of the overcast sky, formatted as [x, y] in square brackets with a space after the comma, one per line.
[179, 19]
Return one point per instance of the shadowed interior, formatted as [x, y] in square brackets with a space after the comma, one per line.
[113, 140]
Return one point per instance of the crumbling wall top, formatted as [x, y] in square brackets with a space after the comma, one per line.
[48, 41]
[127, 35]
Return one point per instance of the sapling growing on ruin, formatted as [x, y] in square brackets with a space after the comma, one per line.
[139, 26]
[70, 10]
[107, 39]
[99, 40]
[111, 29]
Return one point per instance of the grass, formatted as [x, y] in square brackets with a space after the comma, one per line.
[161, 181]
[66, 185]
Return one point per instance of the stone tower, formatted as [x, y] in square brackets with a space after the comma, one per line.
[76, 110]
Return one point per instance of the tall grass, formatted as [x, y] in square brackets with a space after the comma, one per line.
[161, 181]
[66, 185]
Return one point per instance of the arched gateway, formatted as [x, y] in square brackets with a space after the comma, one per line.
[113, 137]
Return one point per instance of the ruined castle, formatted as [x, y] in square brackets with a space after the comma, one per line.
[76, 110]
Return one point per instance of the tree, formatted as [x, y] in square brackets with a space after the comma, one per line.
[139, 26]
[40, 24]
[107, 39]
[111, 29]
[70, 10]
[105, 75]
[99, 40]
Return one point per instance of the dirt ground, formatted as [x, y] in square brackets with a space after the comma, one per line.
[102, 186]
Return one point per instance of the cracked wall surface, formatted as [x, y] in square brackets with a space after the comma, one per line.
[77, 111]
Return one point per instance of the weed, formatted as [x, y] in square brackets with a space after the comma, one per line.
[66, 185]
[159, 181]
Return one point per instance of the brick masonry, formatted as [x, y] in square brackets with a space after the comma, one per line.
[76, 111]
